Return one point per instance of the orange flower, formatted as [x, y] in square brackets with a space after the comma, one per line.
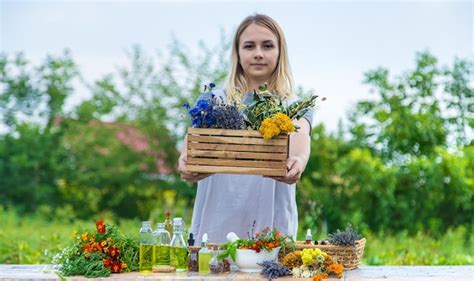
[319, 277]
[88, 247]
[328, 261]
[103, 243]
[84, 236]
[96, 247]
[124, 265]
[116, 267]
[337, 269]
[100, 226]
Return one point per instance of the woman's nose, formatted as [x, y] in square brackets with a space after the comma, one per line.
[258, 53]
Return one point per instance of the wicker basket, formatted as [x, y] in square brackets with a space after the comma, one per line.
[236, 152]
[349, 256]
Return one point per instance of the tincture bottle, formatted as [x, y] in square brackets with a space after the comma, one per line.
[161, 245]
[309, 237]
[205, 255]
[145, 261]
[178, 249]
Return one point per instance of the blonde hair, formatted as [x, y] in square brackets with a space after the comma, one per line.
[281, 80]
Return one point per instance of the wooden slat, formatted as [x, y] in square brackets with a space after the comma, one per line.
[240, 155]
[225, 132]
[237, 163]
[236, 170]
[236, 152]
[237, 147]
[262, 141]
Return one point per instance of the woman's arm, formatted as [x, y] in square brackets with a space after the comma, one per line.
[185, 175]
[299, 152]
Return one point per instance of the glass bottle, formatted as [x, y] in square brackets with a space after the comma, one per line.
[225, 261]
[205, 255]
[309, 237]
[193, 259]
[161, 245]
[215, 266]
[145, 262]
[178, 248]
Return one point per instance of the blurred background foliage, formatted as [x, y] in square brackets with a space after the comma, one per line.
[400, 168]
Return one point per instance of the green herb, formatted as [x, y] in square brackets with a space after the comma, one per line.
[265, 105]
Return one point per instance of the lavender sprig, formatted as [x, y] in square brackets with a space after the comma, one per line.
[272, 269]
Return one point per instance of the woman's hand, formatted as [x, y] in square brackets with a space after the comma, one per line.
[185, 175]
[295, 166]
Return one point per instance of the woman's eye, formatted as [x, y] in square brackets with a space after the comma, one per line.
[268, 46]
[247, 46]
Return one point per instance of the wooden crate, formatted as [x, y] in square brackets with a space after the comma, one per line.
[236, 152]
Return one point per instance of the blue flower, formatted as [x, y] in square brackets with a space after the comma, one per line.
[194, 112]
[203, 105]
[212, 85]
[197, 122]
[186, 105]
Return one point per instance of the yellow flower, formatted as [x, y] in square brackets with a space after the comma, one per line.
[84, 236]
[74, 233]
[284, 123]
[274, 126]
[269, 129]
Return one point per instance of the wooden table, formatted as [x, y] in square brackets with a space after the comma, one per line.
[371, 273]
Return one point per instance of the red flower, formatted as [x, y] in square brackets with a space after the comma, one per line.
[116, 267]
[107, 262]
[100, 226]
[114, 252]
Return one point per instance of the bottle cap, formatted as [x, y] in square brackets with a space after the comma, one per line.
[177, 221]
[204, 240]
[191, 239]
[160, 225]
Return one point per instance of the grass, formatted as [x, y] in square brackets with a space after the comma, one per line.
[35, 240]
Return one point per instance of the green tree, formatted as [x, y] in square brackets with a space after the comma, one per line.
[404, 160]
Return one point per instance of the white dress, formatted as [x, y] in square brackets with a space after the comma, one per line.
[228, 202]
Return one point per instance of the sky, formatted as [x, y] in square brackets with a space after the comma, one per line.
[331, 43]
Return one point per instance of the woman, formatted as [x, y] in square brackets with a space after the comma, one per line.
[226, 202]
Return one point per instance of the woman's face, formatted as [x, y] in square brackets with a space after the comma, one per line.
[258, 52]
